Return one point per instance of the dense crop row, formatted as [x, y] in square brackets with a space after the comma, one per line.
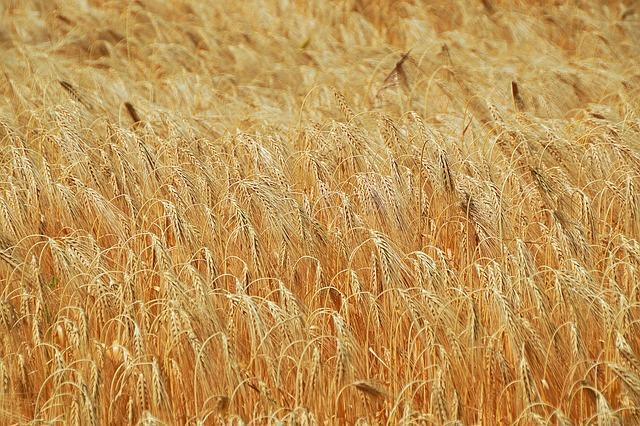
[368, 212]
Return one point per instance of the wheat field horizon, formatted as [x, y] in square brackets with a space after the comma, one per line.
[319, 213]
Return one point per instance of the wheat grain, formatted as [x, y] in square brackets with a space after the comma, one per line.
[344, 107]
[629, 378]
[605, 415]
[142, 399]
[157, 383]
[23, 375]
[438, 403]
[5, 383]
[88, 407]
[94, 381]
[130, 412]
[576, 340]
[314, 372]
[530, 387]
[74, 413]
[626, 353]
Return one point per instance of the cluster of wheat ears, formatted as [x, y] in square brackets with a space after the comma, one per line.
[298, 213]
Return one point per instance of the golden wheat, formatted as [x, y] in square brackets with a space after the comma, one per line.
[319, 212]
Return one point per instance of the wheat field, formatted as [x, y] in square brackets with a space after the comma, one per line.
[319, 213]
